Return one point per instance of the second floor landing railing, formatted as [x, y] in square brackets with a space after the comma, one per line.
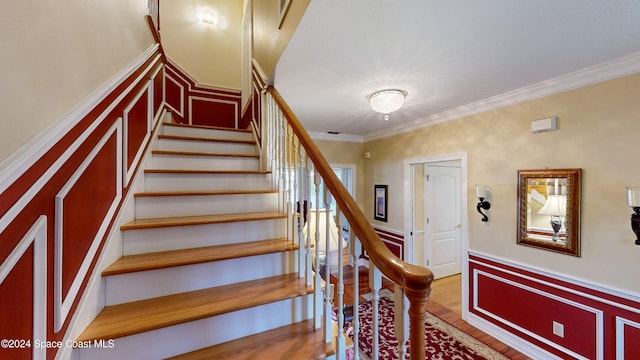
[298, 167]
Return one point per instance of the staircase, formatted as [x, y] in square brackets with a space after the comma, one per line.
[206, 261]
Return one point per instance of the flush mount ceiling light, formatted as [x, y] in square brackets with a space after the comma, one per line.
[387, 101]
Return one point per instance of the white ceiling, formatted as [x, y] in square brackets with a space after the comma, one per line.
[449, 56]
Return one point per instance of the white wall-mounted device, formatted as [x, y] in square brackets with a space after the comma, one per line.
[542, 125]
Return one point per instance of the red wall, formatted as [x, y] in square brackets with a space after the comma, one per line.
[57, 209]
[199, 105]
[598, 323]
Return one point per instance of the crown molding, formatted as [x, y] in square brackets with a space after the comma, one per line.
[316, 135]
[616, 68]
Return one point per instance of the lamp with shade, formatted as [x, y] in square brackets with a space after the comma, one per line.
[556, 207]
[335, 245]
[633, 200]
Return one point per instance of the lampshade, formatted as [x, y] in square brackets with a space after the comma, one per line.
[633, 197]
[387, 101]
[322, 223]
[556, 205]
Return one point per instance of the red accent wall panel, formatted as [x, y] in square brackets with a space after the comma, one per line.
[631, 341]
[536, 313]
[91, 199]
[16, 304]
[85, 207]
[212, 112]
[393, 240]
[598, 323]
[200, 105]
[174, 95]
[137, 127]
[158, 90]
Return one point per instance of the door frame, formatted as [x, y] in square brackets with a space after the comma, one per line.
[409, 248]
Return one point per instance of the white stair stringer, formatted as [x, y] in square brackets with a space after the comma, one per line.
[193, 335]
[155, 283]
[141, 241]
[197, 204]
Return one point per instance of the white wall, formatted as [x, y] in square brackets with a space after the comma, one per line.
[209, 53]
[55, 53]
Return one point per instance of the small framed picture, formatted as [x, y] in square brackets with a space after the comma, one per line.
[380, 202]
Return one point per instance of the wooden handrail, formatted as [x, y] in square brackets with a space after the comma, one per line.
[415, 280]
[156, 36]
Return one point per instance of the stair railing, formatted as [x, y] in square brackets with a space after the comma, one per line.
[296, 163]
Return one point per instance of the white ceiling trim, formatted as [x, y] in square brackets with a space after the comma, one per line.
[623, 66]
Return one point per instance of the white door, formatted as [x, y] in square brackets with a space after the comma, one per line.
[442, 219]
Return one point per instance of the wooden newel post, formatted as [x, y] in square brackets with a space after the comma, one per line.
[417, 319]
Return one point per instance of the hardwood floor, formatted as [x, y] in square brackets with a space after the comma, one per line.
[445, 302]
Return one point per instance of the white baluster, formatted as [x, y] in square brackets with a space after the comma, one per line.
[309, 257]
[327, 256]
[340, 339]
[375, 283]
[401, 320]
[318, 284]
[356, 297]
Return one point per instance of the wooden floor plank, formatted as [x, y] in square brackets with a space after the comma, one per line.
[200, 220]
[166, 259]
[145, 315]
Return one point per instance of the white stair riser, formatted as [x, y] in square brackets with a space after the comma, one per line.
[196, 162]
[185, 237]
[205, 182]
[206, 133]
[153, 283]
[183, 338]
[191, 205]
[214, 147]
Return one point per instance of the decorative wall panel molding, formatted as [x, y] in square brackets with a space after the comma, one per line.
[551, 313]
[72, 221]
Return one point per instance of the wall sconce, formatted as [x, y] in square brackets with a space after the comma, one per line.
[481, 194]
[208, 16]
[633, 200]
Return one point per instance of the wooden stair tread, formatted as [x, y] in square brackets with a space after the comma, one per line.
[206, 127]
[300, 341]
[175, 171]
[196, 138]
[121, 320]
[200, 193]
[200, 220]
[199, 153]
[166, 259]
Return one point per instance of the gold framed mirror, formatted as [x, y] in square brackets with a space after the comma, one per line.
[549, 209]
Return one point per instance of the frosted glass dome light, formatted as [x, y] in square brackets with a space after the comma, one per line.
[387, 101]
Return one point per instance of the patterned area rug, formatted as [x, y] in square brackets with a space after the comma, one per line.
[443, 341]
